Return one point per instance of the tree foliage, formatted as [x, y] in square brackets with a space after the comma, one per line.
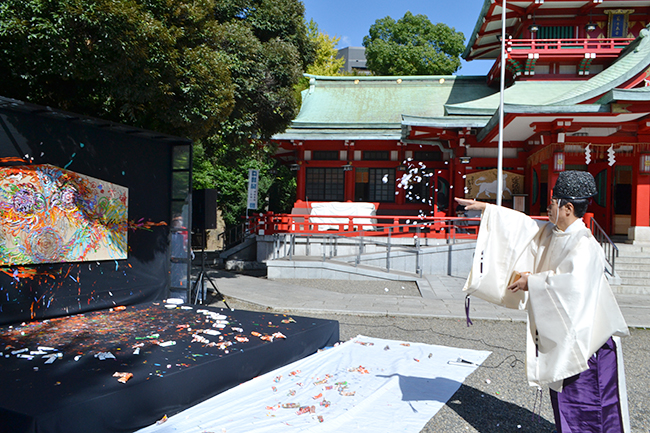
[217, 71]
[325, 62]
[412, 45]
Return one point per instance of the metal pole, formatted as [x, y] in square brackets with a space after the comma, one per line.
[418, 270]
[501, 89]
[390, 229]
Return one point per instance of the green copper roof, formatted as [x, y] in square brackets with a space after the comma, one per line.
[632, 61]
[340, 134]
[383, 100]
[447, 122]
[522, 92]
[373, 106]
[638, 94]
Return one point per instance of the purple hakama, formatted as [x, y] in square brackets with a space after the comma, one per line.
[589, 401]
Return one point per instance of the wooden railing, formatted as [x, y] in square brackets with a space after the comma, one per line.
[566, 46]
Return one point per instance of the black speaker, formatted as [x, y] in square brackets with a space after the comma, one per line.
[204, 209]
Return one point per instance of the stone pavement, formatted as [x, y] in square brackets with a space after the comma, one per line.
[447, 299]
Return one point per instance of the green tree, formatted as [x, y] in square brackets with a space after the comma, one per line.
[325, 62]
[412, 45]
[221, 72]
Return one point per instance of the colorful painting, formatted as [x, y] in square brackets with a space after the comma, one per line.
[51, 215]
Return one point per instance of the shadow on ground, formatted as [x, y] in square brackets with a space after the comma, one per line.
[487, 413]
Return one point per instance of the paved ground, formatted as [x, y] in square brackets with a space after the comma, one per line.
[355, 297]
[495, 398]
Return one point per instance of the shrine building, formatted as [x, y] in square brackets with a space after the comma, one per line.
[576, 98]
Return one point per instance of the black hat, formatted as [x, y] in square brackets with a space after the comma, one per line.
[575, 185]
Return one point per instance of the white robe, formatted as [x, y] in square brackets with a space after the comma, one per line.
[572, 311]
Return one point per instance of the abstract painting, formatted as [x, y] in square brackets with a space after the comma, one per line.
[52, 215]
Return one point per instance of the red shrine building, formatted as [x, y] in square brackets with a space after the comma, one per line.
[576, 98]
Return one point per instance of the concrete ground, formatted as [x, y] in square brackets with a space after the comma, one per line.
[496, 397]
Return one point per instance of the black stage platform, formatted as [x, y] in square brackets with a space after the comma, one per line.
[176, 356]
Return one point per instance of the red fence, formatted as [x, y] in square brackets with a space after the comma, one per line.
[355, 225]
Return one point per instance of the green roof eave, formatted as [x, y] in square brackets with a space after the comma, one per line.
[640, 94]
[477, 27]
[452, 110]
[446, 122]
[339, 134]
[344, 125]
[379, 77]
[541, 109]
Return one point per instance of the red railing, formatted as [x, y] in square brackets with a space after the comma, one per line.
[566, 46]
[355, 225]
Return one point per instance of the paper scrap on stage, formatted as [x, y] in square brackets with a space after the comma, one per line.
[365, 384]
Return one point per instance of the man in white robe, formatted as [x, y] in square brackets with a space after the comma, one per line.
[555, 270]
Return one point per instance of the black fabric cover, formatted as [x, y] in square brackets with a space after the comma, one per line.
[82, 395]
[140, 163]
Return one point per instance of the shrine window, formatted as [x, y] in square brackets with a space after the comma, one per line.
[325, 155]
[325, 184]
[423, 193]
[427, 156]
[555, 32]
[376, 155]
[374, 184]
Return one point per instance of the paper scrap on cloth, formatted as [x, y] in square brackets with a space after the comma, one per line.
[365, 384]
[329, 209]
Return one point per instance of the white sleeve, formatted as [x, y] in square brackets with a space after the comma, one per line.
[502, 247]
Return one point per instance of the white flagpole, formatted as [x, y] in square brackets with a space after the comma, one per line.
[501, 88]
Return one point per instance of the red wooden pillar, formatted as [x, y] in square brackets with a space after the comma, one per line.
[301, 176]
[640, 196]
[451, 176]
[349, 178]
[552, 178]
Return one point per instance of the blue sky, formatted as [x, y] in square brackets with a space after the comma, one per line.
[351, 19]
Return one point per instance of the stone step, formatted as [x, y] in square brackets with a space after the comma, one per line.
[631, 273]
[630, 255]
[623, 247]
[632, 261]
[633, 266]
[631, 290]
[632, 281]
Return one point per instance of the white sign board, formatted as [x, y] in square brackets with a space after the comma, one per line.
[253, 181]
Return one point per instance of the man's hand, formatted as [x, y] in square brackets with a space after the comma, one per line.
[471, 204]
[521, 283]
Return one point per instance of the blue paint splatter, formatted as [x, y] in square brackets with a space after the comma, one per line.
[71, 158]
[116, 265]
[81, 145]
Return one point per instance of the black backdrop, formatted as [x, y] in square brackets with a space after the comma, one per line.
[136, 159]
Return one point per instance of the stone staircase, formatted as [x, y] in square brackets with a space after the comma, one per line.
[633, 267]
